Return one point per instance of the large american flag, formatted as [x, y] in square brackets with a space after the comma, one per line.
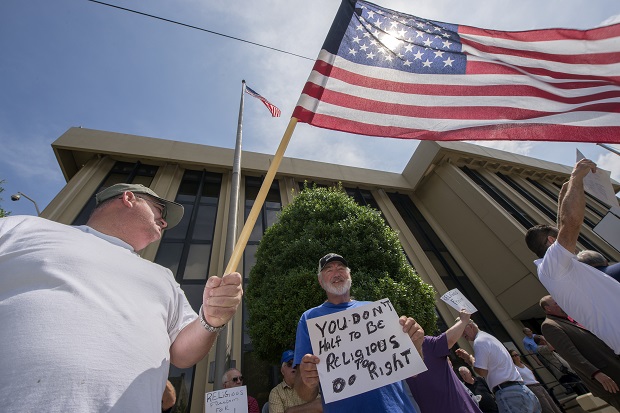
[275, 112]
[385, 73]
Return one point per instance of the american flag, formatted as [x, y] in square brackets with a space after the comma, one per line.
[384, 73]
[275, 112]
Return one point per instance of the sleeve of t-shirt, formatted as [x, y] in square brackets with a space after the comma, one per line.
[302, 341]
[437, 346]
[556, 262]
[181, 315]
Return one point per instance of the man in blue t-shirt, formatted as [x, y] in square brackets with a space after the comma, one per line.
[334, 276]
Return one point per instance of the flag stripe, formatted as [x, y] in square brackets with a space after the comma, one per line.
[590, 35]
[603, 58]
[508, 131]
[405, 77]
[577, 94]
[475, 67]
[453, 108]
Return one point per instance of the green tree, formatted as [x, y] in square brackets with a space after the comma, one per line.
[283, 282]
[3, 213]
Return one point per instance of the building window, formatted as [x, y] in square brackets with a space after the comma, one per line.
[446, 266]
[506, 203]
[122, 172]
[551, 214]
[186, 251]
[363, 197]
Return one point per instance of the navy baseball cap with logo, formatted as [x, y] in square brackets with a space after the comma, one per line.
[330, 258]
[174, 211]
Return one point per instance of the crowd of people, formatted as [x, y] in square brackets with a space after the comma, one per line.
[61, 283]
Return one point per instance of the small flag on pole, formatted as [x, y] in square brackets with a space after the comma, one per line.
[385, 73]
[275, 112]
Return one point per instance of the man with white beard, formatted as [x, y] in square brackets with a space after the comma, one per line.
[334, 276]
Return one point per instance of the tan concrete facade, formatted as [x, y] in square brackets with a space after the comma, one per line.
[481, 237]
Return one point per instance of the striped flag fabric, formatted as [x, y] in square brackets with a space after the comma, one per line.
[385, 73]
[275, 112]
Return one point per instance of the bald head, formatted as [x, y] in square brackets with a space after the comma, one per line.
[550, 307]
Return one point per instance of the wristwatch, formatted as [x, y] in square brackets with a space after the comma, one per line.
[208, 326]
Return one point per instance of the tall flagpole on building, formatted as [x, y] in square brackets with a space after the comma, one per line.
[223, 346]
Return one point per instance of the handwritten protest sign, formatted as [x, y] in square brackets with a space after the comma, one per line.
[599, 184]
[455, 299]
[234, 400]
[362, 349]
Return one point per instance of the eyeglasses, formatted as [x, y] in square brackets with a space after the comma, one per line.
[237, 379]
[160, 206]
[289, 364]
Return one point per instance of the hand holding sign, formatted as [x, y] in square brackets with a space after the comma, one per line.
[455, 299]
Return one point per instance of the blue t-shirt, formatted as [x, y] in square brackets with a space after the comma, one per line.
[438, 390]
[389, 398]
[529, 344]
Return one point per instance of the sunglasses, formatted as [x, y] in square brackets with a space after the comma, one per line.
[237, 379]
[161, 207]
[289, 364]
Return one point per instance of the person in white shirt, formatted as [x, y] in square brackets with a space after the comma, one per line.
[492, 362]
[546, 402]
[87, 324]
[586, 294]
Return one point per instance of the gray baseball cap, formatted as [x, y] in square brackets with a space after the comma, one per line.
[174, 211]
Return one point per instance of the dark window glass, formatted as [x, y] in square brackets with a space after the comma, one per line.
[170, 257]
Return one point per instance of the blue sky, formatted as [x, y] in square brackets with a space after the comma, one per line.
[71, 63]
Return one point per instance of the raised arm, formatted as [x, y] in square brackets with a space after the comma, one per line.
[573, 205]
[456, 331]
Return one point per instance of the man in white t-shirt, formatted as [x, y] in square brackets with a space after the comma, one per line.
[493, 362]
[87, 324]
[586, 294]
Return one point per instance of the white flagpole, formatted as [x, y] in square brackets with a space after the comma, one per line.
[223, 346]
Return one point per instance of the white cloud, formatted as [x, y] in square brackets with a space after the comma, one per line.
[611, 20]
[610, 162]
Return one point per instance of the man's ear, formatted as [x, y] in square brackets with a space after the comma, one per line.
[128, 199]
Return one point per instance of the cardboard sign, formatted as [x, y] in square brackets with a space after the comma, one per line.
[362, 349]
[233, 400]
[455, 299]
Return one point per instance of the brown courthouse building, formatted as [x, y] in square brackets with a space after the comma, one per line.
[461, 212]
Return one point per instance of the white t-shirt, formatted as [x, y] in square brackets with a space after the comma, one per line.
[586, 294]
[86, 323]
[491, 355]
[527, 375]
